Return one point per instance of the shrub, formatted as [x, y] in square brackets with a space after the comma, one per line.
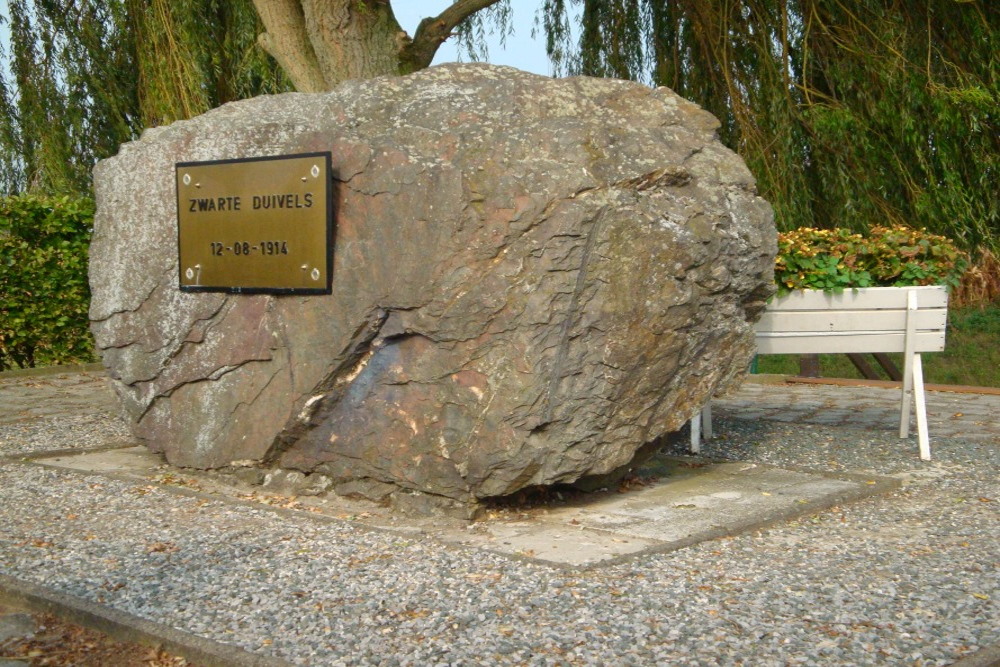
[44, 295]
[980, 285]
[832, 259]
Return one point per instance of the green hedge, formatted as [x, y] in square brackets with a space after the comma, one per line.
[44, 295]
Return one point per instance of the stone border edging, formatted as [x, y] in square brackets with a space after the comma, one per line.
[127, 627]
[51, 370]
[988, 656]
[771, 378]
[30, 457]
[894, 384]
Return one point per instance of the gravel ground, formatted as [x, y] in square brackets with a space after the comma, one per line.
[76, 432]
[906, 579]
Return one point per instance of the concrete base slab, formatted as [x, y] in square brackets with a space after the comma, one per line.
[16, 625]
[679, 501]
[129, 460]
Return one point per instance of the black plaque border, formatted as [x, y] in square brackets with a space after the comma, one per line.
[328, 157]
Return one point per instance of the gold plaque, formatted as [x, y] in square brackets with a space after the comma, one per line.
[256, 225]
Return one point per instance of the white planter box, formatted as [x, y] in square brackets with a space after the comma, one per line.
[870, 319]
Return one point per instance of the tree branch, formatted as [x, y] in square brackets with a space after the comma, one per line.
[433, 31]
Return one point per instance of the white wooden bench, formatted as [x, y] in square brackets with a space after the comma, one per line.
[910, 320]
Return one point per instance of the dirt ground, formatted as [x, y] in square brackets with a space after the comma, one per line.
[57, 643]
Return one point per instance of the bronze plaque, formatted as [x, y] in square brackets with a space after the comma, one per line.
[256, 225]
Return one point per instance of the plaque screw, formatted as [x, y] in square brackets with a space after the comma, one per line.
[187, 179]
[189, 273]
[315, 274]
[315, 171]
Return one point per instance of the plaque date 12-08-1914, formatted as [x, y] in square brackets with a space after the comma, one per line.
[244, 249]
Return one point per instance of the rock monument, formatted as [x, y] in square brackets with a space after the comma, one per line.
[531, 278]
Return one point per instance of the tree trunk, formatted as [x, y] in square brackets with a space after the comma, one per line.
[352, 39]
[320, 43]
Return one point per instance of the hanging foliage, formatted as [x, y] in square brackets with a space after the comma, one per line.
[851, 114]
[88, 75]
[196, 55]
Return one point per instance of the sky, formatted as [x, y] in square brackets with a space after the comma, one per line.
[520, 49]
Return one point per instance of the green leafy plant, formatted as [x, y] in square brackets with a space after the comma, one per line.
[44, 295]
[834, 259]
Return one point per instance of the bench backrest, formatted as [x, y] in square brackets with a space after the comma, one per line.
[864, 320]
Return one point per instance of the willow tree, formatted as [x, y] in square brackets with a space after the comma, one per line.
[63, 105]
[849, 113]
[88, 75]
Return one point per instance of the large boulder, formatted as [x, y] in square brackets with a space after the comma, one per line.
[531, 279]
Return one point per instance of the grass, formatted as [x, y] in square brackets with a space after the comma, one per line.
[971, 355]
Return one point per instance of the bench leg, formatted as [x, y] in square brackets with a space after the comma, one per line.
[696, 433]
[913, 384]
[907, 398]
[918, 395]
[706, 421]
[701, 425]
